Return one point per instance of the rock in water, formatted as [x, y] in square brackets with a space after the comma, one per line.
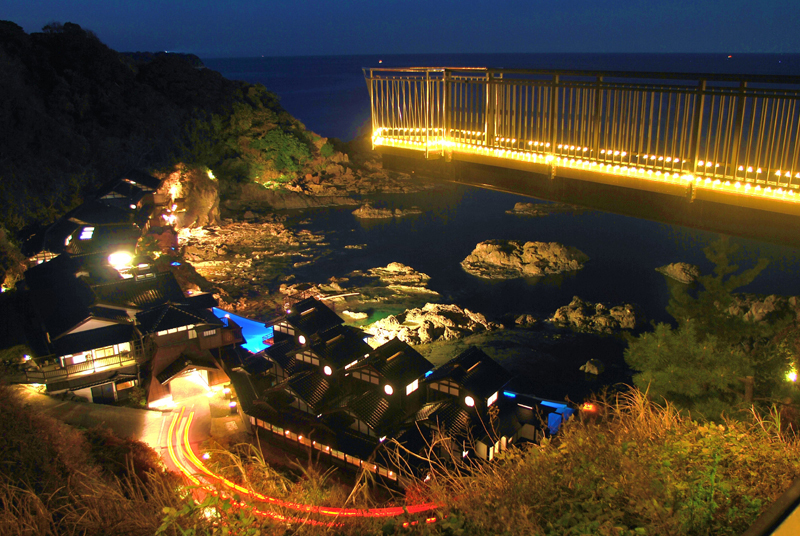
[680, 271]
[508, 259]
[597, 317]
[431, 323]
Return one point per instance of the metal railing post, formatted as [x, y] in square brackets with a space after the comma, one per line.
[427, 108]
[553, 113]
[697, 124]
[491, 110]
[446, 147]
[598, 110]
[737, 128]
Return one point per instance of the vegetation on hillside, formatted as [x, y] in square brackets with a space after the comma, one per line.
[76, 113]
[714, 362]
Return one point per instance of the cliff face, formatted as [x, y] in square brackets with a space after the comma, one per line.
[76, 113]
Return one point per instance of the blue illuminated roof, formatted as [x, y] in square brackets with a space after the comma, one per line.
[256, 334]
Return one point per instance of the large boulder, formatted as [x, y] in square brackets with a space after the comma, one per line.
[508, 259]
[757, 308]
[680, 271]
[597, 317]
[431, 323]
[367, 211]
[200, 195]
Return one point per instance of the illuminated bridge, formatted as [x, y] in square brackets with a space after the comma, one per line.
[693, 149]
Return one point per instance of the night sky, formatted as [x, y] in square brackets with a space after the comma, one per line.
[219, 28]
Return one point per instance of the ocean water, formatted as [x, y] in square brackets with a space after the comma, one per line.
[329, 95]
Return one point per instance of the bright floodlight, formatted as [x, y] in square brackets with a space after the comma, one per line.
[469, 401]
[301, 339]
[388, 389]
[327, 370]
[120, 259]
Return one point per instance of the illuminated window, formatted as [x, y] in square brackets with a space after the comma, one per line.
[411, 387]
[209, 333]
[192, 334]
[491, 400]
[367, 376]
[446, 386]
[104, 352]
[86, 233]
[126, 385]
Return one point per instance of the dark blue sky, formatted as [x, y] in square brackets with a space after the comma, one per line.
[220, 28]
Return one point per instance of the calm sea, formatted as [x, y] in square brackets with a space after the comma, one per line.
[329, 95]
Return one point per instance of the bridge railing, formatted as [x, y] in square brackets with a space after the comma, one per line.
[728, 127]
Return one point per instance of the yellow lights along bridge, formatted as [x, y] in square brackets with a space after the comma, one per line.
[730, 139]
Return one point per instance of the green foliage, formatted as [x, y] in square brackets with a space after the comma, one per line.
[327, 150]
[706, 362]
[639, 469]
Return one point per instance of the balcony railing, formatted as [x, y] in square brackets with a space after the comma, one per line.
[80, 369]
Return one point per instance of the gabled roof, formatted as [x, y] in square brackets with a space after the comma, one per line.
[96, 213]
[398, 362]
[311, 316]
[340, 345]
[97, 338]
[133, 294]
[447, 415]
[120, 189]
[142, 180]
[475, 371]
[64, 269]
[282, 353]
[315, 389]
[173, 315]
[107, 238]
[185, 361]
[372, 408]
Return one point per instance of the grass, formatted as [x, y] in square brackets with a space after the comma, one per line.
[632, 468]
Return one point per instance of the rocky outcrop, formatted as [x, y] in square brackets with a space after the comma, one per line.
[680, 271]
[526, 321]
[197, 195]
[367, 211]
[508, 259]
[757, 308]
[431, 323]
[542, 209]
[597, 317]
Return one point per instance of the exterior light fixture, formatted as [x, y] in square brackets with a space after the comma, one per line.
[468, 400]
[301, 339]
[327, 370]
[388, 389]
[120, 259]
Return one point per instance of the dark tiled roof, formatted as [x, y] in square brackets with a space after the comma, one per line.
[204, 300]
[257, 364]
[398, 362]
[447, 415]
[311, 316]
[96, 213]
[313, 388]
[107, 238]
[372, 408]
[283, 352]
[93, 338]
[172, 315]
[184, 361]
[340, 345]
[142, 179]
[475, 371]
[64, 269]
[130, 293]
